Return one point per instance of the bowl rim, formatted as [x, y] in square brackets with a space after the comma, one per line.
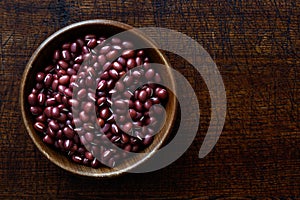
[29, 66]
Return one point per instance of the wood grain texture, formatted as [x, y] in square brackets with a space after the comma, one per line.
[256, 45]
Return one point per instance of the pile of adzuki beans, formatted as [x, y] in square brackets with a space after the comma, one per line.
[53, 107]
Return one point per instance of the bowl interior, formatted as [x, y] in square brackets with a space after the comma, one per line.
[42, 57]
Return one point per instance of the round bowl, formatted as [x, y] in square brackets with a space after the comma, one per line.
[40, 58]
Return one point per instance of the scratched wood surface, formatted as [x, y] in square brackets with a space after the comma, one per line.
[256, 45]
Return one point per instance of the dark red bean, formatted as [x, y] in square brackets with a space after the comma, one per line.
[39, 126]
[100, 122]
[140, 53]
[73, 102]
[50, 132]
[68, 144]
[48, 80]
[32, 99]
[68, 92]
[148, 104]
[80, 42]
[40, 77]
[121, 61]
[66, 46]
[148, 140]
[54, 85]
[92, 43]
[63, 64]
[161, 94]
[74, 47]
[155, 100]
[127, 148]
[89, 155]
[131, 63]
[61, 89]
[77, 159]
[114, 129]
[102, 85]
[53, 125]
[55, 112]
[95, 163]
[66, 55]
[128, 54]
[35, 110]
[47, 139]
[56, 55]
[104, 113]
[113, 74]
[41, 118]
[69, 133]
[88, 37]
[142, 96]
[138, 61]
[138, 105]
[49, 68]
[79, 60]
[64, 80]
[62, 117]
[117, 66]
[39, 86]
[48, 111]
[132, 113]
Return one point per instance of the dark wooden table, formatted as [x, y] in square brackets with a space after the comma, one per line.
[256, 45]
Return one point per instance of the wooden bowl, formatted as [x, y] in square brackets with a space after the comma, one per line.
[41, 57]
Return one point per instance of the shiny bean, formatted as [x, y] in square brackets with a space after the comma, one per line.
[39, 126]
[32, 99]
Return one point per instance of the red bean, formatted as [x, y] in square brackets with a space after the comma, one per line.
[53, 125]
[64, 80]
[69, 133]
[128, 54]
[131, 63]
[39, 126]
[35, 110]
[92, 43]
[48, 80]
[113, 74]
[66, 55]
[102, 85]
[40, 77]
[47, 139]
[63, 64]
[142, 96]
[161, 94]
[74, 47]
[104, 113]
[138, 105]
[32, 99]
